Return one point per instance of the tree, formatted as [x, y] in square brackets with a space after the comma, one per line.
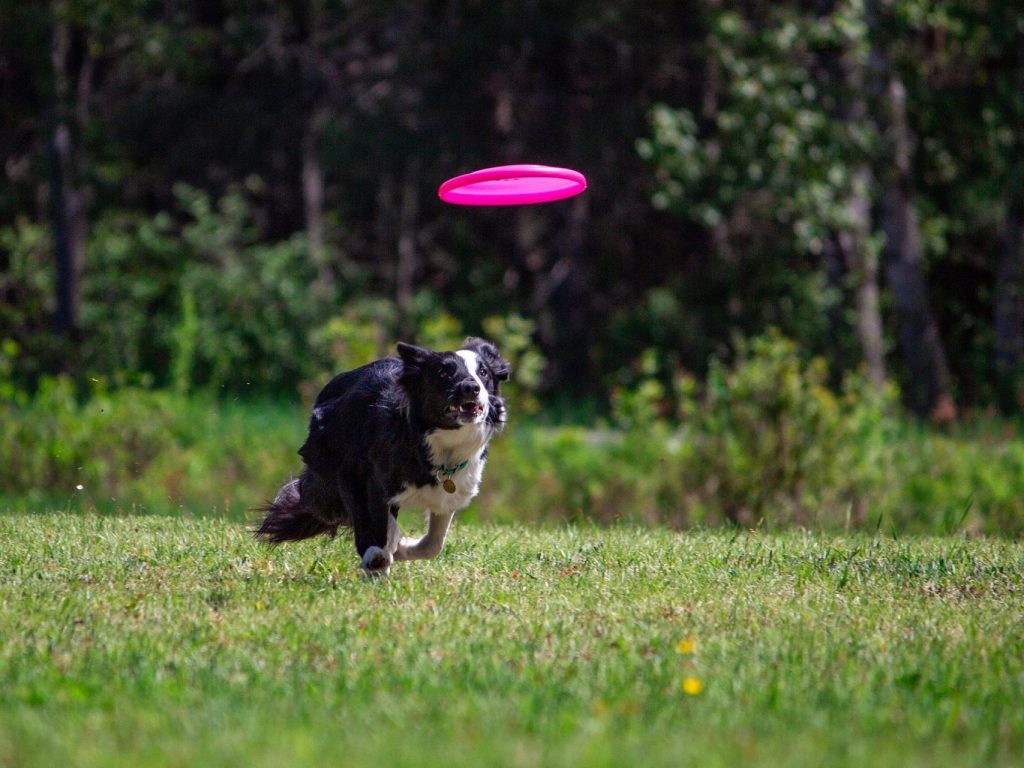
[1005, 116]
[921, 343]
[800, 162]
[842, 63]
[783, 141]
[73, 72]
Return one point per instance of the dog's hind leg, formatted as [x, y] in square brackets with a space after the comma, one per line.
[431, 543]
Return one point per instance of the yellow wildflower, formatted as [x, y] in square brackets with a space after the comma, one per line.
[692, 686]
[686, 646]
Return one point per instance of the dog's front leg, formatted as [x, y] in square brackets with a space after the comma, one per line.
[432, 541]
[377, 536]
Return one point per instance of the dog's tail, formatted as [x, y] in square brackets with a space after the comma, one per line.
[290, 518]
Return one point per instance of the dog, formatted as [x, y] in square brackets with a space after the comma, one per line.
[407, 432]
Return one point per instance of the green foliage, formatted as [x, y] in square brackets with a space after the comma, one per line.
[130, 295]
[767, 440]
[514, 336]
[185, 340]
[641, 404]
[441, 331]
[768, 195]
[365, 330]
[786, 148]
[252, 303]
[26, 299]
[207, 304]
[134, 448]
[571, 473]
[772, 151]
[102, 445]
[764, 443]
[176, 641]
[362, 332]
[768, 167]
[9, 391]
[757, 136]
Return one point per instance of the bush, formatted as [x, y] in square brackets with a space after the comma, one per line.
[541, 473]
[251, 302]
[767, 440]
[103, 443]
[763, 442]
[366, 328]
[139, 449]
[27, 304]
[198, 300]
[130, 296]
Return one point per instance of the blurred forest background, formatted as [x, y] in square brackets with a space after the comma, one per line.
[802, 248]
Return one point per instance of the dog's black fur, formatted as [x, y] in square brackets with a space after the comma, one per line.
[372, 436]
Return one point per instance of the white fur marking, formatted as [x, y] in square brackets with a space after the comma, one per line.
[473, 364]
[430, 544]
[434, 498]
[448, 448]
[371, 554]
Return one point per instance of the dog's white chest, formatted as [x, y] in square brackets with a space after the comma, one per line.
[434, 498]
[449, 448]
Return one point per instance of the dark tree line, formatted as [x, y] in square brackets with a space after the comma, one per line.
[845, 171]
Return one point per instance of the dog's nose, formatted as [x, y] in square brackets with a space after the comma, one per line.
[469, 389]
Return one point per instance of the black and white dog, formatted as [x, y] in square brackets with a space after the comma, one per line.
[407, 432]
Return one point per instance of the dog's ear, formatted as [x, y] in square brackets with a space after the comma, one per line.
[412, 355]
[489, 354]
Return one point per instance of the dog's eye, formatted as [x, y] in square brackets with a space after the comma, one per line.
[483, 373]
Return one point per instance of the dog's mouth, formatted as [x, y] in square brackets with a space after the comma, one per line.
[468, 411]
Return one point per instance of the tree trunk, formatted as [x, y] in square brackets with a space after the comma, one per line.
[863, 266]
[407, 262]
[849, 256]
[920, 342]
[67, 202]
[313, 203]
[1009, 312]
[919, 333]
[1009, 289]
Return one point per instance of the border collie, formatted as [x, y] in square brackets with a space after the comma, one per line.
[407, 432]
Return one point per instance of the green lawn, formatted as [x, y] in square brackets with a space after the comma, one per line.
[160, 641]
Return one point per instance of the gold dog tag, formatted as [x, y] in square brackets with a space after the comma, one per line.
[449, 485]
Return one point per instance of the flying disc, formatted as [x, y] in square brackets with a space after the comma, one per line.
[513, 185]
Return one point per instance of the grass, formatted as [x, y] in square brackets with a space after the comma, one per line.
[177, 642]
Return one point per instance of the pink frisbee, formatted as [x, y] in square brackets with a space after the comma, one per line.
[513, 185]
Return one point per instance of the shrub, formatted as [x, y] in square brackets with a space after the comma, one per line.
[366, 328]
[27, 302]
[130, 295]
[767, 439]
[764, 440]
[56, 443]
[252, 302]
[542, 473]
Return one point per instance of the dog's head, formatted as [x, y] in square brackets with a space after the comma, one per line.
[449, 389]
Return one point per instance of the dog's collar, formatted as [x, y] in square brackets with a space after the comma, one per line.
[448, 484]
[449, 471]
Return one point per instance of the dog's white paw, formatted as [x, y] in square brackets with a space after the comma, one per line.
[377, 562]
[406, 548]
[425, 548]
